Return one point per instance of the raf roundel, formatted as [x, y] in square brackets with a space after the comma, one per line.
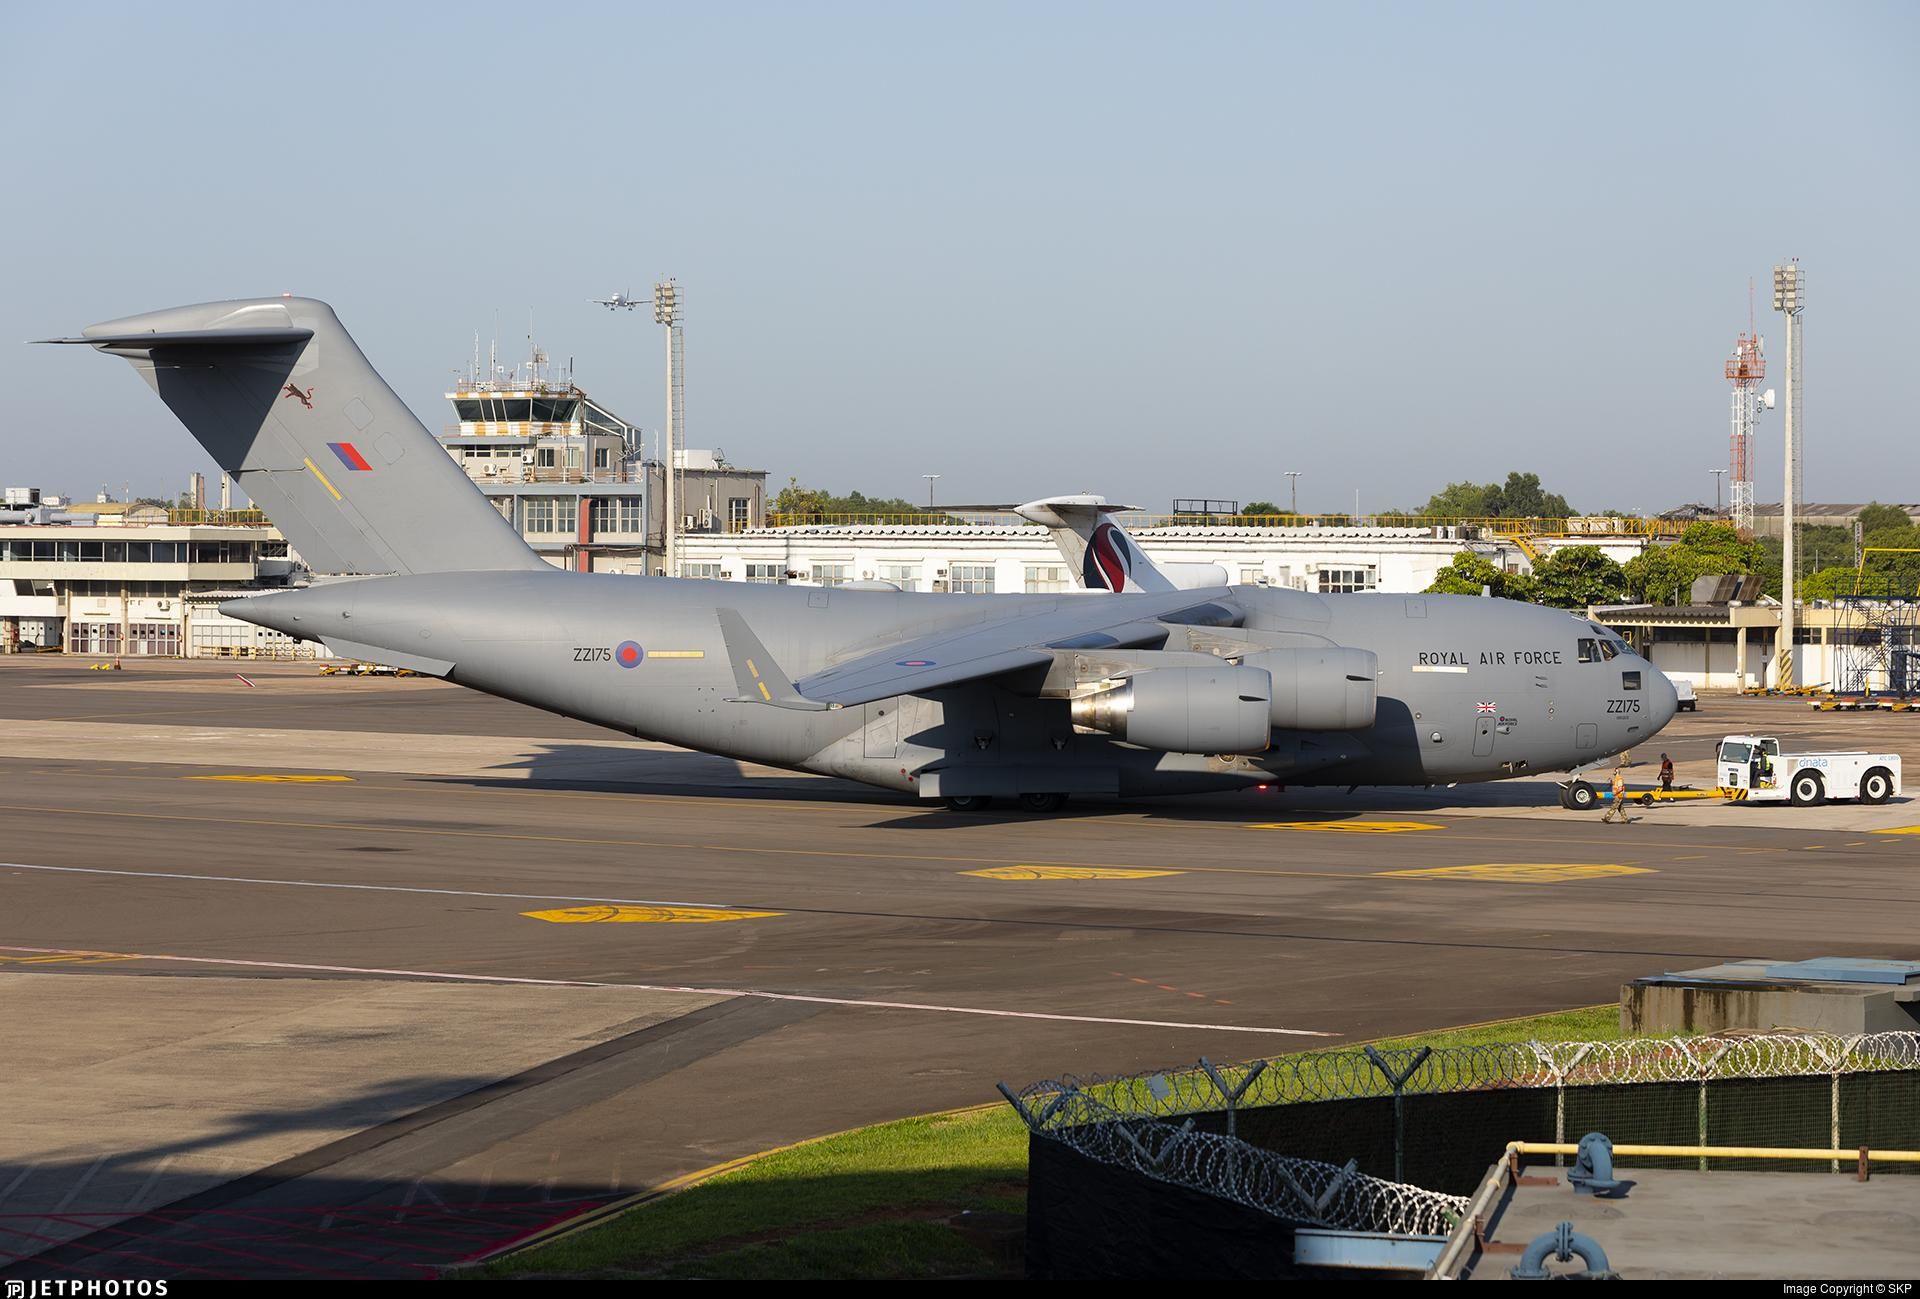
[628, 655]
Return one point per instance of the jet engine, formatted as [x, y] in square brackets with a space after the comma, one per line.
[1183, 710]
[1320, 689]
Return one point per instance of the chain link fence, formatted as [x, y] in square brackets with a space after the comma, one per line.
[1161, 1125]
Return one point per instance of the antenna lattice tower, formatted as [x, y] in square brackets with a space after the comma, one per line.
[1745, 369]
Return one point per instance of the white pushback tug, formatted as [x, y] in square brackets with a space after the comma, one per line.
[1751, 768]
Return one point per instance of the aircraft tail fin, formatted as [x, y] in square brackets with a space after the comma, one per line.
[1097, 548]
[279, 394]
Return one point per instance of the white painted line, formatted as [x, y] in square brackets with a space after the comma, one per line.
[14, 1185]
[671, 987]
[73, 1192]
[153, 1178]
[371, 888]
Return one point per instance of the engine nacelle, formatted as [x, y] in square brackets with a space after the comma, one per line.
[1183, 710]
[1330, 689]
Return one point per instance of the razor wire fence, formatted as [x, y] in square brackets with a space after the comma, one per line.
[1157, 1124]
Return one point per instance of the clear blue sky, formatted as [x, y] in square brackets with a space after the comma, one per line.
[1142, 250]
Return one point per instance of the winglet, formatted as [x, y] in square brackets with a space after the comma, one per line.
[758, 677]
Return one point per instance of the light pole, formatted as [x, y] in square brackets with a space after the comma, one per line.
[1293, 492]
[1718, 474]
[931, 480]
[666, 311]
[1789, 299]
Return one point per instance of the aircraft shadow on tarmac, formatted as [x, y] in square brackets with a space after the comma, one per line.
[685, 774]
[327, 1227]
[302, 1221]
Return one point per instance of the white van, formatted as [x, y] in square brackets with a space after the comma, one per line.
[1683, 692]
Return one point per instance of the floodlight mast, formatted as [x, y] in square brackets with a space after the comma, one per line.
[666, 311]
[1789, 299]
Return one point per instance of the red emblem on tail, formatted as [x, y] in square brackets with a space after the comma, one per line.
[306, 398]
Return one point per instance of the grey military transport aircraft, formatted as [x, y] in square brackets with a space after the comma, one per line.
[1149, 689]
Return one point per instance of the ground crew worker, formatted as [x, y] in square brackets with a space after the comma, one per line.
[1666, 774]
[1619, 803]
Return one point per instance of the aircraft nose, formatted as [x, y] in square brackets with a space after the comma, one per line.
[1664, 699]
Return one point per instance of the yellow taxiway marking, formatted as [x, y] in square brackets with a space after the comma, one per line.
[1522, 872]
[65, 958]
[1349, 827]
[645, 915]
[752, 850]
[331, 489]
[1066, 873]
[1900, 829]
[678, 654]
[278, 780]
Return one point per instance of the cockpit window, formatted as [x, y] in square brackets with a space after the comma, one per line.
[1589, 650]
[1610, 649]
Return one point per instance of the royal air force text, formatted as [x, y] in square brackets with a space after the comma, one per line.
[1488, 658]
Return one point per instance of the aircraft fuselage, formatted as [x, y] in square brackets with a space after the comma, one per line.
[1468, 689]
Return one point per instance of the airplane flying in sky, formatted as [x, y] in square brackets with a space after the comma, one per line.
[1154, 689]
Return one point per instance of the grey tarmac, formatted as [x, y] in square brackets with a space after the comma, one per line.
[321, 1010]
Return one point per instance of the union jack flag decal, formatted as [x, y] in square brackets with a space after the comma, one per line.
[1487, 706]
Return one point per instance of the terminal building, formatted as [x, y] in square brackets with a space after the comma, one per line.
[991, 557]
[140, 581]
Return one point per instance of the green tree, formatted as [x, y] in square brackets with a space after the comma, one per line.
[1470, 573]
[800, 504]
[1577, 576]
[1463, 501]
[1260, 508]
[1828, 583]
[1523, 498]
[1894, 573]
[1665, 574]
[1877, 516]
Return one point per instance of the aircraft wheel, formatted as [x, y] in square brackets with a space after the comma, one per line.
[969, 803]
[1806, 790]
[1043, 802]
[1876, 786]
[1581, 796]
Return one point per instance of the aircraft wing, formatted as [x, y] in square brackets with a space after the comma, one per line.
[949, 658]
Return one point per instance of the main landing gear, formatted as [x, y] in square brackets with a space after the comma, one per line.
[1578, 796]
[1028, 802]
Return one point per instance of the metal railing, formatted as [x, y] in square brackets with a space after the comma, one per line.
[220, 518]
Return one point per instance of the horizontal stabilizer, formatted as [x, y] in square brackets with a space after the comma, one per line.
[348, 649]
[281, 397]
[239, 338]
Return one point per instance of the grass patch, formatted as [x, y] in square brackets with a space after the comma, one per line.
[936, 1196]
[1588, 1024]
